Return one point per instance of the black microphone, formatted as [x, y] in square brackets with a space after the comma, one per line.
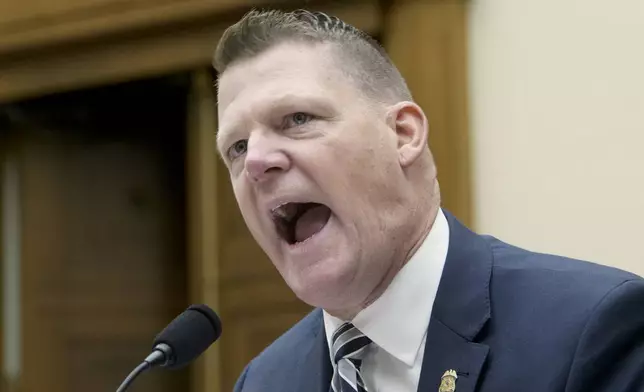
[182, 341]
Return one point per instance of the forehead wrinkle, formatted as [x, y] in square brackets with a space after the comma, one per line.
[264, 97]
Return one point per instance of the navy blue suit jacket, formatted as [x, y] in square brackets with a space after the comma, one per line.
[505, 319]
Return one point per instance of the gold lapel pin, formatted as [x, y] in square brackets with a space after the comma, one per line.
[448, 381]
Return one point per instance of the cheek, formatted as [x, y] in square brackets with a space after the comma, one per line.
[246, 205]
[367, 186]
[368, 170]
[259, 228]
[240, 197]
[371, 149]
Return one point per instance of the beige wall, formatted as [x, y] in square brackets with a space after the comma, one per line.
[557, 115]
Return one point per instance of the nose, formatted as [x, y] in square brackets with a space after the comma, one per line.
[264, 160]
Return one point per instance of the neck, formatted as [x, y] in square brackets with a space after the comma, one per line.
[420, 233]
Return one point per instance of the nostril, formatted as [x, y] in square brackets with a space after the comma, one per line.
[258, 175]
[273, 169]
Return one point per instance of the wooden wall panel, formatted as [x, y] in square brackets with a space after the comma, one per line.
[44, 248]
[3, 152]
[8, 168]
[100, 279]
[103, 246]
[203, 230]
[30, 24]
[142, 53]
[427, 41]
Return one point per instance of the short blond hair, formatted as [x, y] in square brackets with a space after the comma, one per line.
[358, 55]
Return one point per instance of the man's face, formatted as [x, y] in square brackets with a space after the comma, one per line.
[315, 170]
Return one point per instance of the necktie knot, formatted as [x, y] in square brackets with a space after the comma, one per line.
[349, 343]
[349, 346]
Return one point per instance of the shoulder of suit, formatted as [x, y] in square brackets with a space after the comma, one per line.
[293, 340]
[546, 277]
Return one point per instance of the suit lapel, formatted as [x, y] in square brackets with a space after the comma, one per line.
[461, 309]
[446, 350]
[316, 371]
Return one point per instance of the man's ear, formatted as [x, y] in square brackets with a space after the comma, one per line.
[409, 123]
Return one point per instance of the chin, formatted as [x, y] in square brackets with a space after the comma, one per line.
[324, 286]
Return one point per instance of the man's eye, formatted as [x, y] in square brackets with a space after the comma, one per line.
[237, 149]
[296, 119]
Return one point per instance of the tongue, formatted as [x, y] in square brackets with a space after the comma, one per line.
[311, 222]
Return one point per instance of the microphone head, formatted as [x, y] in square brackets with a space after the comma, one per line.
[189, 335]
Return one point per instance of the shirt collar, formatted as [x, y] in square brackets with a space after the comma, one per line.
[398, 320]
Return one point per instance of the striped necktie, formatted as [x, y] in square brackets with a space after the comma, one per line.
[349, 346]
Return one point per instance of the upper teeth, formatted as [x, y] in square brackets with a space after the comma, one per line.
[286, 211]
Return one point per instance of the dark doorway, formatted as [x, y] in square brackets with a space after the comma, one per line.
[102, 205]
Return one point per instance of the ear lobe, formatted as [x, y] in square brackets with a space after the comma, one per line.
[409, 122]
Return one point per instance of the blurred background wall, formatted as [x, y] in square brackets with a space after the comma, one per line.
[557, 96]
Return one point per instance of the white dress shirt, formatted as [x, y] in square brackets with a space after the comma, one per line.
[397, 321]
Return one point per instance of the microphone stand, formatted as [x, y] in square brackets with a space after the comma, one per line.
[160, 356]
[190, 334]
[142, 368]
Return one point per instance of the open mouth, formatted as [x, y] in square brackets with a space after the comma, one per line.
[297, 222]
